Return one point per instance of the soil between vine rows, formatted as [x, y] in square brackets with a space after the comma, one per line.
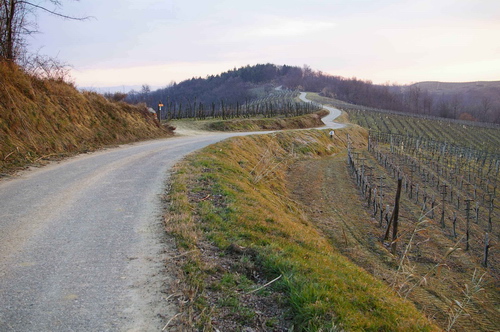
[335, 205]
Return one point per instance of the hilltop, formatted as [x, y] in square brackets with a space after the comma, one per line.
[45, 118]
[476, 101]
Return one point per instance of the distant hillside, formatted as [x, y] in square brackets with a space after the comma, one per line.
[45, 118]
[477, 101]
[481, 97]
[233, 86]
[482, 87]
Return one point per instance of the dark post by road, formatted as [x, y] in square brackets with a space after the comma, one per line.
[158, 113]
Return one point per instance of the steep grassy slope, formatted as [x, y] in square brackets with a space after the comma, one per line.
[237, 229]
[43, 118]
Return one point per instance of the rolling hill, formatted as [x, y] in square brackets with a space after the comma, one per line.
[475, 101]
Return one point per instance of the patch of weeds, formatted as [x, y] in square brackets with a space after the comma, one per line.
[280, 233]
[206, 164]
[245, 315]
[272, 322]
[230, 301]
[261, 228]
[233, 281]
[207, 178]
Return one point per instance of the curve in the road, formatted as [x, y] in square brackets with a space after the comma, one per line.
[82, 245]
[330, 118]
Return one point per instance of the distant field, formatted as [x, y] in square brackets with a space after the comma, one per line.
[480, 136]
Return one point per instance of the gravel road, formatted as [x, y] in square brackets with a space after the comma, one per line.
[82, 243]
[327, 120]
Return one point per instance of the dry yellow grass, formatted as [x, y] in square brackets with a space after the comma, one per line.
[43, 118]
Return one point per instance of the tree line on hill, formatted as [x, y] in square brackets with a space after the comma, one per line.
[251, 82]
[237, 85]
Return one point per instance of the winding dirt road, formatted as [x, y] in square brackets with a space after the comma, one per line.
[82, 243]
[330, 118]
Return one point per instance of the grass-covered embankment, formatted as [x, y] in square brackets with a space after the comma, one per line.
[237, 227]
[312, 120]
[276, 123]
[42, 118]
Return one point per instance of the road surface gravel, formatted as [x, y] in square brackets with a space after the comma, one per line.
[82, 242]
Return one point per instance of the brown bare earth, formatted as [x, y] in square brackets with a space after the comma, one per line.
[335, 205]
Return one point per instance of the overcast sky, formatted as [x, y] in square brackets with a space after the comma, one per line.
[155, 42]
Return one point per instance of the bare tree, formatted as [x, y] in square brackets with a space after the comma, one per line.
[456, 105]
[17, 20]
[12, 26]
[145, 91]
[484, 108]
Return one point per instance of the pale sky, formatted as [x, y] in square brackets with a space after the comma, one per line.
[155, 42]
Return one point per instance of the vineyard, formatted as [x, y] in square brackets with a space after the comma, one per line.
[479, 136]
[431, 185]
[276, 103]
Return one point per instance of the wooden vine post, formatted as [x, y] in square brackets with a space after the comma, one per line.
[443, 200]
[486, 248]
[455, 225]
[467, 224]
[394, 220]
[490, 211]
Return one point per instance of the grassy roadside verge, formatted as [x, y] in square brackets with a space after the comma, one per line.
[297, 122]
[255, 124]
[236, 229]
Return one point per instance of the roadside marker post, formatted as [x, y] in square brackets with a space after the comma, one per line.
[160, 105]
